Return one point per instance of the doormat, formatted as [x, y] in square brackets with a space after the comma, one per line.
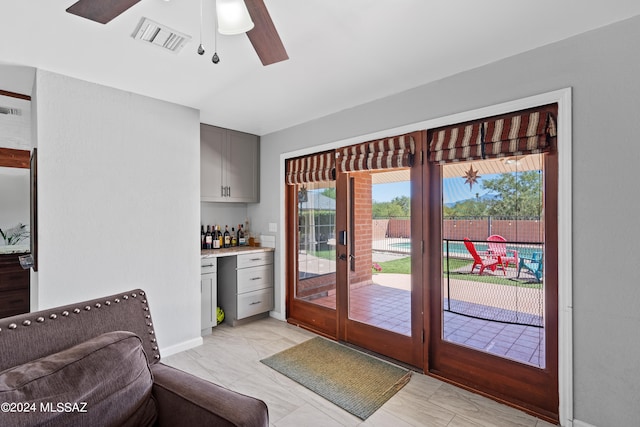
[356, 382]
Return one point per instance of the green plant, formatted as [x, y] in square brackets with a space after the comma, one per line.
[15, 235]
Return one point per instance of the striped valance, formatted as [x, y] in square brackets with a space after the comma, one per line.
[313, 168]
[516, 134]
[388, 153]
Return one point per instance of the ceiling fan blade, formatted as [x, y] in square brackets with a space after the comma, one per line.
[263, 36]
[101, 11]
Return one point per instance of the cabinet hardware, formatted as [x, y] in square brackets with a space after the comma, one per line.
[255, 278]
[255, 302]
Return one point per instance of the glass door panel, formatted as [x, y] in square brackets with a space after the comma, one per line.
[380, 268]
[316, 237]
[493, 251]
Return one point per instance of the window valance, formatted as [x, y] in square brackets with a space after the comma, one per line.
[388, 153]
[312, 168]
[527, 132]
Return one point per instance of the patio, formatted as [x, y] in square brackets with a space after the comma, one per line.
[385, 303]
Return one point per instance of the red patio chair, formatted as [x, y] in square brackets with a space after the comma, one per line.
[490, 262]
[498, 248]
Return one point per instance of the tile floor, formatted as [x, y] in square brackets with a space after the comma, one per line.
[231, 357]
[388, 308]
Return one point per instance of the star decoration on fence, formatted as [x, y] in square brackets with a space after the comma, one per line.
[471, 177]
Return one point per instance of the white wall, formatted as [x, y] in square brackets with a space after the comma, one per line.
[118, 201]
[602, 67]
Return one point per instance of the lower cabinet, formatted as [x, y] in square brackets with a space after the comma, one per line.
[209, 299]
[245, 286]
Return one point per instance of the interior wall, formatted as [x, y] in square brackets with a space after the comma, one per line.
[602, 70]
[118, 201]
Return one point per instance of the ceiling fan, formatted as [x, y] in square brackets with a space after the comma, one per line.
[264, 37]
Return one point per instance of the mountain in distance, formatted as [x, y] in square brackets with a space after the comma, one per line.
[484, 198]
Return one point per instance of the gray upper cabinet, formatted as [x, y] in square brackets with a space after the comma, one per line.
[229, 169]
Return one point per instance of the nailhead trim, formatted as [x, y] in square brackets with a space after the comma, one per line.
[76, 310]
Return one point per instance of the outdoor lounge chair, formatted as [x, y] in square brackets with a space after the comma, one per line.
[532, 264]
[490, 262]
[498, 248]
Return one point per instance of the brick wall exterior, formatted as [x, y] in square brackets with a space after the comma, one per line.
[475, 229]
[363, 229]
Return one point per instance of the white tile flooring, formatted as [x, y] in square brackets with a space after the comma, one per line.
[231, 356]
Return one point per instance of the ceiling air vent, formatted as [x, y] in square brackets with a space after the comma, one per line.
[10, 111]
[159, 35]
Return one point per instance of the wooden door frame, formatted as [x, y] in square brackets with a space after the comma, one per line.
[565, 252]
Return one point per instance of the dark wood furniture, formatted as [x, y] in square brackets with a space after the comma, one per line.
[14, 286]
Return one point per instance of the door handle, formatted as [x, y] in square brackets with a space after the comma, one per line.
[342, 257]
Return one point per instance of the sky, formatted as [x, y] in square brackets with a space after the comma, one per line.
[454, 189]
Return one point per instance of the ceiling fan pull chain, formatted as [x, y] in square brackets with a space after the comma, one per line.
[215, 58]
[200, 47]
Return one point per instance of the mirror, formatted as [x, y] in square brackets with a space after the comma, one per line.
[17, 197]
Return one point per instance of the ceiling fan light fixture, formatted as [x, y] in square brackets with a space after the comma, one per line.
[233, 17]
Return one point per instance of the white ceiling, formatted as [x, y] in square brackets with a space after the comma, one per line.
[342, 52]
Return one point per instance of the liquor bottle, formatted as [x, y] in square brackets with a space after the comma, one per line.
[241, 238]
[220, 237]
[234, 238]
[227, 237]
[216, 237]
[202, 235]
[208, 239]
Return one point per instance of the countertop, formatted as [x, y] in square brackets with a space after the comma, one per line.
[237, 250]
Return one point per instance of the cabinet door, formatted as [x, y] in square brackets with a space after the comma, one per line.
[213, 151]
[208, 302]
[241, 167]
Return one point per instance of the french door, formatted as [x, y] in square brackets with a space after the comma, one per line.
[352, 272]
[492, 272]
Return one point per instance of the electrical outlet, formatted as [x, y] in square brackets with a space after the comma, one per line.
[273, 227]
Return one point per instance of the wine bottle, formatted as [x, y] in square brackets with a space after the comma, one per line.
[216, 238]
[202, 235]
[241, 239]
[220, 237]
[227, 237]
[234, 237]
[208, 239]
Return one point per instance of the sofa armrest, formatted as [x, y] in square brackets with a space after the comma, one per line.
[184, 399]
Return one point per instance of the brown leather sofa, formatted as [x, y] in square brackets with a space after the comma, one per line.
[97, 363]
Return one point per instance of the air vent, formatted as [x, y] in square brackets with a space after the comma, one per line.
[159, 35]
[10, 111]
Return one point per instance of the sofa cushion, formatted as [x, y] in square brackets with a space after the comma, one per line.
[103, 381]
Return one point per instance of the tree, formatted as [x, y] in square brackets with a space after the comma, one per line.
[329, 192]
[519, 194]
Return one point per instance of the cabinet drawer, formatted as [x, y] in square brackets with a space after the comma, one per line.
[14, 280]
[255, 303]
[252, 279]
[208, 265]
[254, 259]
[13, 303]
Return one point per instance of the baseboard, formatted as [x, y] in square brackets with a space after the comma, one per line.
[277, 315]
[177, 348]
[578, 423]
